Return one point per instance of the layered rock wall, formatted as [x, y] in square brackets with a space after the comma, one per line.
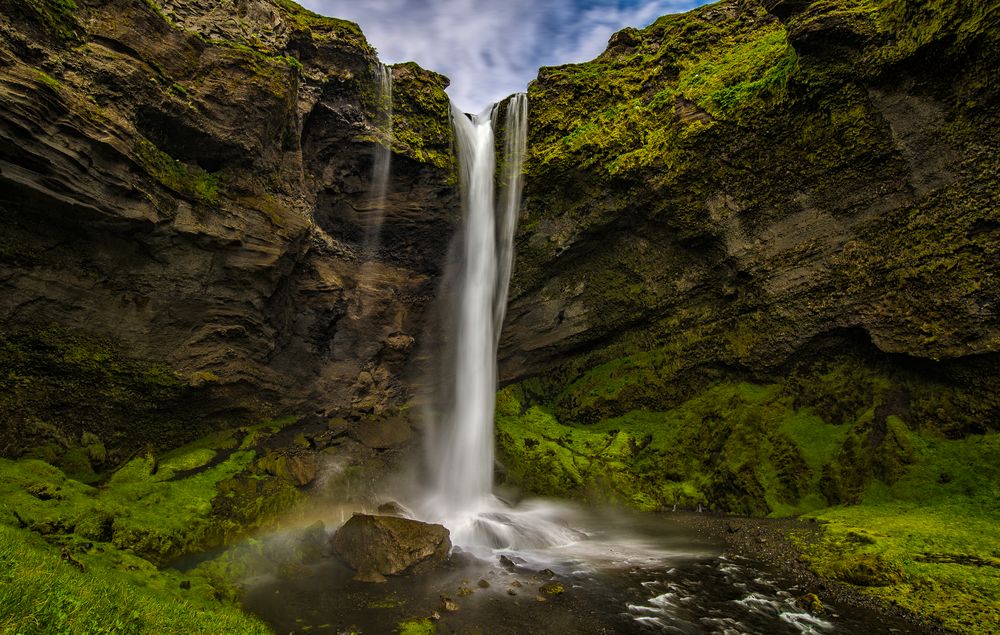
[184, 186]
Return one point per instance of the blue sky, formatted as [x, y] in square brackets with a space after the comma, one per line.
[492, 48]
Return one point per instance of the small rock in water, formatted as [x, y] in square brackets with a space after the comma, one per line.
[483, 584]
[435, 616]
[548, 574]
[539, 598]
[516, 583]
[511, 592]
[552, 589]
[811, 603]
[464, 591]
[448, 605]
[507, 563]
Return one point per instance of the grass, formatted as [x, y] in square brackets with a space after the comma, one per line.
[43, 592]
[910, 514]
[81, 558]
[936, 526]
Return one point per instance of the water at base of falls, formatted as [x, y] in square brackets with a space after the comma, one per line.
[633, 573]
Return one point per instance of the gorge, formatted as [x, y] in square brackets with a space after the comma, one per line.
[254, 281]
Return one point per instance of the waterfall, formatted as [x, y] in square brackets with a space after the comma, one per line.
[381, 160]
[465, 466]
[509, 201]
[460, 451]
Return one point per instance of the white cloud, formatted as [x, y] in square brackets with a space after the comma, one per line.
[492, 48]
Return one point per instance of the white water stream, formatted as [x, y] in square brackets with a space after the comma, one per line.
[381, 161]
[461, 453]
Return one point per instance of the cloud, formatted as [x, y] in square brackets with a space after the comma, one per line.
[492, 48]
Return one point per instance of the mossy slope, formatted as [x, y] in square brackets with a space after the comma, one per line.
[93, 558]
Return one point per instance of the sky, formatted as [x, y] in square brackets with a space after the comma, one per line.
[492, 48]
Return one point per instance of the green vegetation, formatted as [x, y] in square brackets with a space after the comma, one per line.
[421, 116]
[323, 28]
[84, 557]
[180, 177]
[897, 461]
[48, 80]
[417, 626]
[56, 16]
[197, 496]
[90, 588]
[927, 542]
[81, 403]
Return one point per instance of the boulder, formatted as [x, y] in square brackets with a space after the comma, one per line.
[389, 545]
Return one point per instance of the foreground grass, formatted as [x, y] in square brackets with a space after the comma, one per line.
[928, 542]
[82, 558]
[43, 592]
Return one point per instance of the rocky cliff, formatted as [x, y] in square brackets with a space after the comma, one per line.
[184, 200]
[798, 197]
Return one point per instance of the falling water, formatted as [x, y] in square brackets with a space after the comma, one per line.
[464, 474]
[462, 451]
[382, 160]
[509, 201]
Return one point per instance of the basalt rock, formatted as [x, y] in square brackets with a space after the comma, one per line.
[796, 195]
[376, 546]
[186, 184]
[843, 175]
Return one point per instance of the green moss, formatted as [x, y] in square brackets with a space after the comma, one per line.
[48, 80]
[197, 496]
[44, 592]
[749, 74]
[261, 57]
[832, 429]
[737, 447]
[928, 546]
[180, 177]
[322, 26]
[421, 116]
[57, 17]
[67, 392]
[417, 626]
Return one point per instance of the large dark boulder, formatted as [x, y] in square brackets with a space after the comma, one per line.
[377, 546]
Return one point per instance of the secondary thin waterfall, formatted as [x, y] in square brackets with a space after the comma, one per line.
[509, 201]
[382, 159]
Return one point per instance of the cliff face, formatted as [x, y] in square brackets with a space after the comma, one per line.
[800, 195]
[184, 204]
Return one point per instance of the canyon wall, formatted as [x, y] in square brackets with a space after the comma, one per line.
[185, 218]
[802, 195]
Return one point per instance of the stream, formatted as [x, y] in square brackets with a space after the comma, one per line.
[627, 573]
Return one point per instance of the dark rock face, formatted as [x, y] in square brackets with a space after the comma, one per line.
[825, 168]
[377, 546]
[188, 185]
[737, 202]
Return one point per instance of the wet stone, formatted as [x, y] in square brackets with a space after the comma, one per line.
[552, 589]
[388, 545]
